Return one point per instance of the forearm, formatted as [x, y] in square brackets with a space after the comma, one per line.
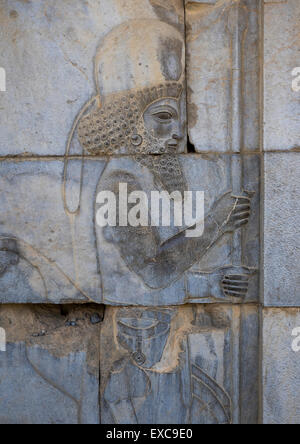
[178, 254]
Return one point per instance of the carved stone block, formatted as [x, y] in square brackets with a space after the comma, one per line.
[223, 75]
[281, 366]
[49, 255]
[49, 373]
[281, 49]
[39, 240]
[282, 233]
[187, 365]
[51, 70]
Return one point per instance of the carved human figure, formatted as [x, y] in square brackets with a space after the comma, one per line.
[139, 112]
[137, 392]
[136, 120]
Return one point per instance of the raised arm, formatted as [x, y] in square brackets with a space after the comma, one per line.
[159, 264]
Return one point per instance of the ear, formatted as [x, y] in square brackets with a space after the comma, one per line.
[73, 167]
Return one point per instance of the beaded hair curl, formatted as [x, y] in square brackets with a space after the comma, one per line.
[112, 129]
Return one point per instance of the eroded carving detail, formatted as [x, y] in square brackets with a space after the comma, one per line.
[146, 123]
[138, 384]
[152, 265]
[36, 274]
[50, 372]
[8, 254]
[113, 128]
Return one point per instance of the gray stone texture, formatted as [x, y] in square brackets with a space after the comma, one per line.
[281, 247]
[281, 229]
[53, 43]
[281, 366]
[223, 75]
[187, 365]
[106, 92]
[50, 256]
[43, 238]
[281, 57]
[49, 373]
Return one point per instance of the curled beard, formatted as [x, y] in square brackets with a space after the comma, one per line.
[167, 171]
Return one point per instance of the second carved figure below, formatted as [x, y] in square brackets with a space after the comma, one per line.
[141, 389]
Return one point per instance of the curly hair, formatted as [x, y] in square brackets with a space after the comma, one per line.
[117, 127]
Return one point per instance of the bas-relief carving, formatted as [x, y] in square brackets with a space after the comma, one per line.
[39, 253]
[49, 373]
[145, 266]
[62, 266]
[62, 41]
[133, 130]
[172, 366]
[165, 261]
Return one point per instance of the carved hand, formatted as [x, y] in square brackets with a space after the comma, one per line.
[236, 281]
[232, 212]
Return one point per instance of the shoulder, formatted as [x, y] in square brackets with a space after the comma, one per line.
[125, 170]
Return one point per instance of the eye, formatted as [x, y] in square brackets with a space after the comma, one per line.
[163, 116]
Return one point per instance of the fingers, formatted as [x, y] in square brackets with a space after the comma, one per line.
[250, 194]
[242, 212]
[235, 285]
[242, 200]
[241, 216]
[240, 219]
[237, 277]
[242, 207]
[241, 223]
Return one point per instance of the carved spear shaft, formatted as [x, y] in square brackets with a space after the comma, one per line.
[237, 26]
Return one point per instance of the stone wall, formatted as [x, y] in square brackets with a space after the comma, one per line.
[144, 324]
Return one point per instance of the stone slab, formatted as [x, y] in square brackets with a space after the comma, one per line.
[49, 373]
[223, 75]
[53, 251]
[52, 43]
[281, 57]
[187, 365]
[281, 366]
[281, 229]
[39, 238]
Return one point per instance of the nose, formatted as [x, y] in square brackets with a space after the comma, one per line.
[177, 136]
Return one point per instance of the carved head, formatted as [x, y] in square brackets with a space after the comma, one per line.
[144, 333]
[139, 74]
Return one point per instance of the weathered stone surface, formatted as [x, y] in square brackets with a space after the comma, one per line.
[96, 97]
[281, 57]
[282, 233]
[223, 75]
[51, 72]
[49, 373]
[281, 366]
[49, 255]
[187, 365]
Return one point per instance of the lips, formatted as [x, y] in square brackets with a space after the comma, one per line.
[172, 143]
